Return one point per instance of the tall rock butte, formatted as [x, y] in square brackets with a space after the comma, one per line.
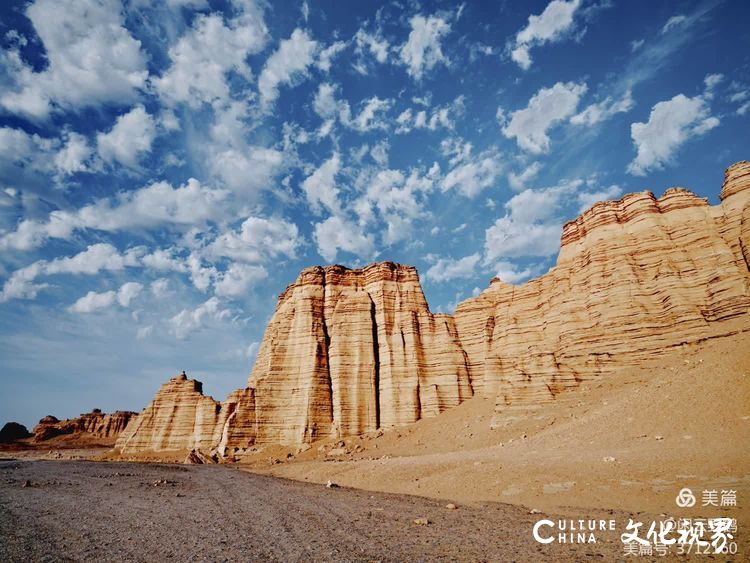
[351, 351]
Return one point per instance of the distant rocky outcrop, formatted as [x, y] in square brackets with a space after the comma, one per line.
[95, 423]
[351, 351]
[12, 432]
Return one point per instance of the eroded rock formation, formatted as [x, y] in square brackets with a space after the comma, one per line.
[351, 351]
[633, 278]
[96, 423]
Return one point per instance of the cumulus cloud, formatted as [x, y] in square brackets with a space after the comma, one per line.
[188, 321]
[320, 187]
[287, 64]
[158, 204]
[336, 233]
[546, 108]
[671, 123]
[422, 50]
[518, 181]
[129, 139]
[238, 278]
[470, 174]
[603, 110]
[326, 55]
[371, 43]
[202, 57]
[511, 273]
[96, 258]
[430, 119]
[258, 240]
[533, 221]
[587, 199]
[552, 25]
[398, 199]
[93, 301]
[447, 269]
[71, 30]
[74, 155]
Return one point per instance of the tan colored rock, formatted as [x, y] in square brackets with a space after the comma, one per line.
[350, 352]
[96, 423]
[634, 277]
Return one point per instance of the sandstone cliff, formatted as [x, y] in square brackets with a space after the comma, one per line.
[181, 418]
[96, 423]
[351, 351]
[634, 277]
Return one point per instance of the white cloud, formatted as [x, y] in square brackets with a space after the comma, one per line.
[670, 124]
[158, 204]
[518, 181]
[603, 110]
[238, 278]
[422, 50]
[398, 200]
[447, 269]
[285, 65]
[248, 169]
[74, 155]
[258, 240]
[93, 301]
[470, 174]
[188, 321]
[370, 118]
[320, 186]
[511, 273]
[202, 57]
[129, 139]
[336, 233]
[92, 58]
[674, 22]
[441, 116]
[374, 43]
[531, 225]
[552, 25]
[326, 55]
[587, 199]
[96, 258]
[127, 292]
[547, 107]
[743, 109]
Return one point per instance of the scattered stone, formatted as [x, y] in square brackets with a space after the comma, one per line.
[421, 521]
[451, 506]
[331, 485]
[658, 438]
[608, 459]
[535, 511]
[26, 483]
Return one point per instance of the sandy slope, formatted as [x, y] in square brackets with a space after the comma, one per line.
[683, 421]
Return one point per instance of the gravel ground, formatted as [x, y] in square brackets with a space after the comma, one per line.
[77, 510]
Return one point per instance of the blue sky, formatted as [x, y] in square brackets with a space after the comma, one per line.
[167, 168]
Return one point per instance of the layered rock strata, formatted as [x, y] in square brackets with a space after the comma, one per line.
[96, 423]
[351, 351]
[181, 418]
[633, 278]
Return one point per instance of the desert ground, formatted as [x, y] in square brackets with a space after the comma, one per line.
[73, 510]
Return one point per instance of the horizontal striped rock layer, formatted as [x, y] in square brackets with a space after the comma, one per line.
[350, 351]
[96, 423]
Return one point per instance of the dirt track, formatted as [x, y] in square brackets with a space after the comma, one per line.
[115, 512]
